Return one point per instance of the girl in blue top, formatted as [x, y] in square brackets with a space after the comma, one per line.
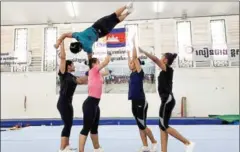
[139, 103]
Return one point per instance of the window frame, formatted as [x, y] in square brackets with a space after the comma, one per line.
[216, 62]
[224, 26]
[16, 41]
[190, 29]
[45, 61]
[182, 61]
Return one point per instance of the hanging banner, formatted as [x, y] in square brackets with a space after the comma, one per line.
[117, 38]
[207, 54]
[233, 54]
[118, 43]
[14, 58]
[79, 60]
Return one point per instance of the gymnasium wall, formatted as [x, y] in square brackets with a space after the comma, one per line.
[208, 90]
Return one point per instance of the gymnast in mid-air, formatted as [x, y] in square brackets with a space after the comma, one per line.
[99, 29]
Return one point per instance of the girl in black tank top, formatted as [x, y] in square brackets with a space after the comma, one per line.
[68, 84]
[168, 102]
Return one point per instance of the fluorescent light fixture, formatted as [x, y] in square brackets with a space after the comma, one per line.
[72, 9]
[158, 6]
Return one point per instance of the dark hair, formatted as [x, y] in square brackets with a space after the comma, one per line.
[171, 57]
[141, 62]
[68, 62]
[91, 62]
[75, 47]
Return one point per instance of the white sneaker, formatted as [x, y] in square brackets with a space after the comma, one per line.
[129, 5]
[154, 147]
[62, 150]
[190, 147]
[130, 10]
[70, 149]
[144, 149]
[98, 150]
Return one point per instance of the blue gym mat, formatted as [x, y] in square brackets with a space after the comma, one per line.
[110, 121]
[120, 138]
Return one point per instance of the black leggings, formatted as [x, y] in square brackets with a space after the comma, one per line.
[105, 24]
[91, 116]
[65, 109]
[139, 110]
[166, 108]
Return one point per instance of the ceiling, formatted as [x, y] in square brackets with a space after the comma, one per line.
[21, 13]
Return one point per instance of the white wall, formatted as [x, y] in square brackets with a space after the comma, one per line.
[208, 90]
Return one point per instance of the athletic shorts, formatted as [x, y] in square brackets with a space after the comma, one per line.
[105, 24]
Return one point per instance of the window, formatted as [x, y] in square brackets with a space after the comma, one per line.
[20, 45]
[184, 39]
[50, 37]
[219, 43]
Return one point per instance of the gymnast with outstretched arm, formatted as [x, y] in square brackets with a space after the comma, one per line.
[165, 87]
[99, 29]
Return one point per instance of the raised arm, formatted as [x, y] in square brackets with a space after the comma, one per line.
[154, 59]
[135, 59]
[105, 62]
[61, 38]
[129, 59]
[134, 52]
[82, 80]
[62, 56]
[105, 72]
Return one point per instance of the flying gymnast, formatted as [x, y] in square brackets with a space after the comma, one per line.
[168, 102]
[90, 108]
[100, 28]
[68, 83]
[139, 103]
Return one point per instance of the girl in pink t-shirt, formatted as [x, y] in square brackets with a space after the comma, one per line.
[91, 110]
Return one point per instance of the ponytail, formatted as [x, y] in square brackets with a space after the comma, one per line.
[171, 57]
